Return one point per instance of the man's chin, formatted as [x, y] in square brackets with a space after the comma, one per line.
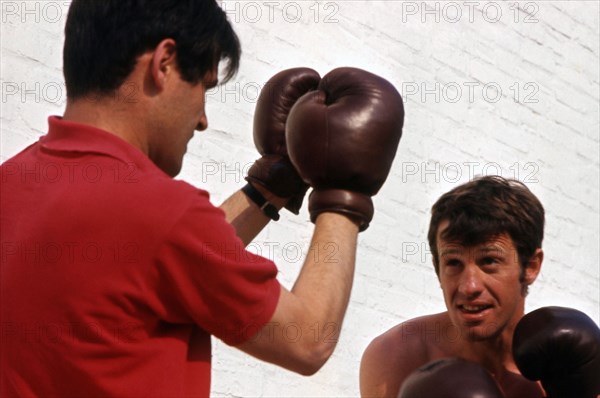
[482, 332]
[172, 169]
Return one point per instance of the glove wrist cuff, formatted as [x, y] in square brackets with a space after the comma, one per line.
[278, 176]
[267, 208]
[354, 205]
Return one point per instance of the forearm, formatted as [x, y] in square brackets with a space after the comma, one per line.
[325, 281]
[245, 216]
[305, 327]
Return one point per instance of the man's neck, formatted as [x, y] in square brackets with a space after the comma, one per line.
[105, 114]
[494, 353]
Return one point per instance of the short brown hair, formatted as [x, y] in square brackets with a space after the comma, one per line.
[484, 208]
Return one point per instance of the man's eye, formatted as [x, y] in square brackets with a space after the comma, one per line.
[489, 261]
[452, 263]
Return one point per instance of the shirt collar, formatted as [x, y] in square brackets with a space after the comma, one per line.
[67, 136]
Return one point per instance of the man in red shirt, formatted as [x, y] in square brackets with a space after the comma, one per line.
[113, 274]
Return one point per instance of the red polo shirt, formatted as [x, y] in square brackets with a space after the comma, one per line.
[114, 276]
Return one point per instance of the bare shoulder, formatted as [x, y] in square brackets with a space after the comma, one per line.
[394, 355]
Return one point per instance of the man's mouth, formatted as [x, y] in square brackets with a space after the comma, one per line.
[474, 313]
[473, 309]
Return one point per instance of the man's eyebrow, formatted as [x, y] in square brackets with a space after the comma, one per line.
[483, 250]
[490, 249]
[450, 250]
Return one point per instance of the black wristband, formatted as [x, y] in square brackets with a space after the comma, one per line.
[257, 197]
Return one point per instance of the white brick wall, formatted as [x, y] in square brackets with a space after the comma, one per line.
[490, 87]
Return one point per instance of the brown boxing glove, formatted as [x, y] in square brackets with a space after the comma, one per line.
[559, 346]
[274, 170]
[450, 378]
[342, 138]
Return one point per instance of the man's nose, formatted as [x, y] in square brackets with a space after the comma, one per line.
[203, 124]
[471, 281]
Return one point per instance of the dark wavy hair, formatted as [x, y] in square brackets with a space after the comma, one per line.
[484, 208]
[104, 38]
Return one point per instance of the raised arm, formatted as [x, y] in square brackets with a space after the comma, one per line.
[246, 216]
[305, 327]
[342, 139]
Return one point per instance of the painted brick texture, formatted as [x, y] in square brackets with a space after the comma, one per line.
[508, 88]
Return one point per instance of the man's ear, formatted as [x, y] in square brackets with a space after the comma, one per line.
[533, 266]
[163, 62]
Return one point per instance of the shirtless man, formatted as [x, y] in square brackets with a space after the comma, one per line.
[485, 238]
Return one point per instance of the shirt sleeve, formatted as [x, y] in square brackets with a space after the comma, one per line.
[207, 277]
